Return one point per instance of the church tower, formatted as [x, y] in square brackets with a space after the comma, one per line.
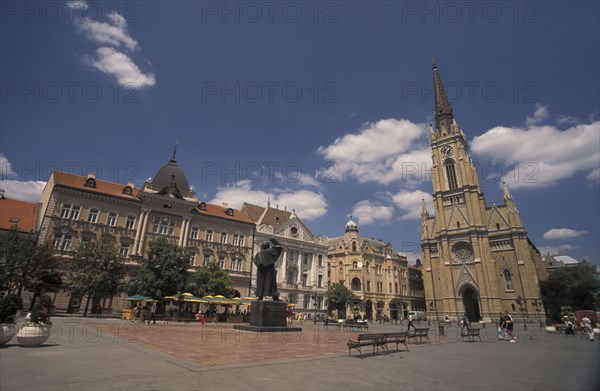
[477, 259]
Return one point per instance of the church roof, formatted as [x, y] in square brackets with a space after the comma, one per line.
[567, 260]
[269, 216]
[171, 174]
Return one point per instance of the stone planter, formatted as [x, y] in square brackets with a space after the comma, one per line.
[33, 335]
[7, 331]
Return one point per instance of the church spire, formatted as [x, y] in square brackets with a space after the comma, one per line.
[442, 109]
[174, 158]
[424, 212]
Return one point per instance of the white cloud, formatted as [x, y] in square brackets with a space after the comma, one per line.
[26, 191]
[77, 5]
[114, 33]
[309, 205]
[567, 119]
[549, 250]
[411, 203]
[562, 233]
[382, 152]
[541, 156]
[107, 59]
[594, 176]
[368, 213]
[6, 169]
[540, 114]
[114, 63]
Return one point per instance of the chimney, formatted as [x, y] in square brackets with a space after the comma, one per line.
[225, 205]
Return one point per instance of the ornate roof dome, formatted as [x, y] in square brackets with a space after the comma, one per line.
[171, 176]
[351, 225]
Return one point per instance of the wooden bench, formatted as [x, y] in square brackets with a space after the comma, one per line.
[351, 324]
[421, 333]
[472, 333]
[332, 323]
[375, 340]
[398, 338]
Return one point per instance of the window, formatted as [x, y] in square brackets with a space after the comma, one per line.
[209, 235]
[112, 219]
[221, 261]
[294, 231]
[238, 240]
[304, 278]
[305, 259]
[62, 241]
[305, 301]
[320, 281]
[192, 259]
[194, 233]
[368, 286]
[354, 266]
[124, 249]
[163, 226]
[93, 216]
[291, 277]
[206, 258]
[70, 211]
[355, 284]
[380, 287]
[508, 280]
[223, 239]
[236, 263]
[379, 269]
[130, 222]
[354, 247]
[292, 298]
[451, 174]
[390, 287]
[320, 260]
[395, 287]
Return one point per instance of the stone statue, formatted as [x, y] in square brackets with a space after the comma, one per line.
[266, 275]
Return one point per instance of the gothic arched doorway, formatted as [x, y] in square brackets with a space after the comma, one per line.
[471, 304]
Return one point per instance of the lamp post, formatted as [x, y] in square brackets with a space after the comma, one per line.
[315, 297]
[522, 302]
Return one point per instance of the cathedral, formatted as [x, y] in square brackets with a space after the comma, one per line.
[477, 258]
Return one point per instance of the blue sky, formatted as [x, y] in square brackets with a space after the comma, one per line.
[320, 106]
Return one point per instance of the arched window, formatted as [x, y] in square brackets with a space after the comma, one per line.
[354, 266]
[354, 247]
[508, 279]
[451, 174]
[356, 284]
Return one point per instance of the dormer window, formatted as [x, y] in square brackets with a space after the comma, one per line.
[127, 190]
[90, 182]
[14, 220]
[229, 212]
[202, 206]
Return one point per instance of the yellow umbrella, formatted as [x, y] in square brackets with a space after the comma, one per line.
[291, 305]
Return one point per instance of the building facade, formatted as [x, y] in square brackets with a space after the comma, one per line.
[372, 270]
[75, 209]
[302, 267]
[477, 259]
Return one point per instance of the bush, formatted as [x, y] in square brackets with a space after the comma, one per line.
[9, 306]
[42, 310]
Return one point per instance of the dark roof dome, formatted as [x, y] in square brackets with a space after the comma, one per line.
[170, 175]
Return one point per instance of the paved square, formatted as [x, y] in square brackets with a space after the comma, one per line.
[92, 354]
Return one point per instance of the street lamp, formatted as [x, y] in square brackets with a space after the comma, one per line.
[522, 302]
[315, 299]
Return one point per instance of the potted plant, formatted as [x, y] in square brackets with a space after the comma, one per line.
[9, 306]
[36, 329]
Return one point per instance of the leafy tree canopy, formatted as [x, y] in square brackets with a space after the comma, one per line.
[163, 272]
[338, 297]
[212, 280]
[576, 286]
[96, 270]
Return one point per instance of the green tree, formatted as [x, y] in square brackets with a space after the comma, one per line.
[163, 272]
[27, 266]
[576, 286]
[96, 270]
[338, 297]
[212, 280]
[15, 260]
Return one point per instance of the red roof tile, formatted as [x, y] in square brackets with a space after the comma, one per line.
[25, 212]
[102, 187]
[219, 211]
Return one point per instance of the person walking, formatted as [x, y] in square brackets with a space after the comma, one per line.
[464, 321]
[152, 316]
[502, 328]
[410, 323]
[509, 326]
[587, 323]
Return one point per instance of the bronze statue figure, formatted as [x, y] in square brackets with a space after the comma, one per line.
[266, 275]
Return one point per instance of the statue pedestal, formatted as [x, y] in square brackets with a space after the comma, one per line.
[268, 316]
